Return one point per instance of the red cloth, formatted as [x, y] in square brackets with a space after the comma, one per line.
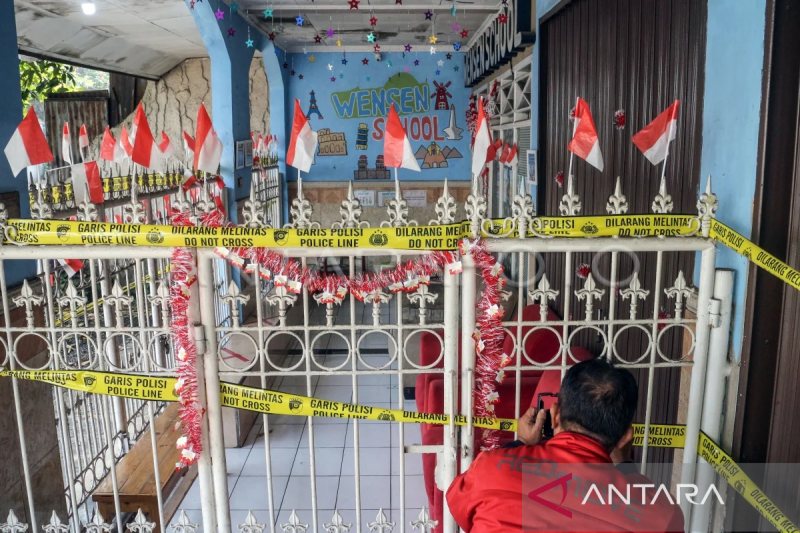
[493, 495]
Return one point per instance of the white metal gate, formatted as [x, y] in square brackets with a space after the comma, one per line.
[364, 354]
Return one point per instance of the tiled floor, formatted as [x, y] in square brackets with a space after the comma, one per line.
[290, 446]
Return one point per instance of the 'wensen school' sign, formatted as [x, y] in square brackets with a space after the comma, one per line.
[499, 42]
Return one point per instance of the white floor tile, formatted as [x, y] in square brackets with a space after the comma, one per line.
[370, 435]
[337, 393]
[369, 394]
[298, 492]
[235, 459]
[252, 492]
[299, 390]
[326, 436]
[280, 458]
[416, 497]
[282, 436]
[372, 462]
[327, 380]
[275, 420]
[411, 434]
[375, 492]
[413, 463]
[327, 462]
[376, 379]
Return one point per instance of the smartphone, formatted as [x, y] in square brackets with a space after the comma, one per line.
[547, 429]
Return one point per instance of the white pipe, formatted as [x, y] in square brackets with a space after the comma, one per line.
[697, 384]
[468, 301]
[714, 397]
[450, 388]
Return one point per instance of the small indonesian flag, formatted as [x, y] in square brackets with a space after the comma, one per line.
[208, 148]
[396, 147]
[145, 149]
[494, 149]
[483, 140]
[188, 143]
[303, 141]
[504, 154]
[108, 146]
[66, 142]
[86, 176]
[28, 145]
[125, 142]
[585, 143]
[165, 147]
[512, 158]
[653, 140]
[83, 137]
[71, 266]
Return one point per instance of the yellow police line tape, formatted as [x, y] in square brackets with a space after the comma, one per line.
[280, 403]
[445, 237]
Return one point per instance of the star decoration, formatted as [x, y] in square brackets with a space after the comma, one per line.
[344, 61]
[407, 47]
[438, 72]
[286, 65]
[449, 56]
[372, 21]
[453, 11]
[455, 27]
[440, 63]
[428, 15]
[271, 36]
[457, 47]
[333, 79]
[455, 68]
[231, 32]
[341, 76]
[300, 76]
[389, 64]
[267, 12]
[330, 67]
[330, 32]
[354, 4]
[433, 50]
[433, 39]
[338, 42]
[416, 62]
[502, 19]
[368, 78]
[234, 7]
[220, 14]
[464, 33]
[365, 61]
[371, 38]
[377, 48]
[299, 20]
[292, 73]
[249, 43]
[312, 58]
[505, 2]
[398, 2]
[407, 69]
[317, 39]
[305, 50]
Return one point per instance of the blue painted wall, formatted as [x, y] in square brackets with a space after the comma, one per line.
[10, 117]
[426, 124]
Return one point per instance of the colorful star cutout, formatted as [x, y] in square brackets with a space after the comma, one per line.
[453, 11]
[376, 48]
[389, 64]
[354, 4]
[333, 79]
[440, 63]
[249, 43]
[267, 12]
[231, 32]
[455, 27]
[455, 68]
[365, 61]
[299, 20]
[449, 56]
[272, 37]
[368, 78]
[457, 47]
[330, 67]
[300, 76]
[344, 61]
[330, 32]
[341, 76]
[234, 7]
[292, 73]
[407, 69]
[373, 21]
[407, 48]
[433, 39]
[433, 50]
[464, 33]
[285, 65]
[220, 14]
[191, 4]
[428, 15]
[371, 38]
[317, 39]
[438, 72]
[502, 19]
[312, 58]
[416, 62]
[338, 42]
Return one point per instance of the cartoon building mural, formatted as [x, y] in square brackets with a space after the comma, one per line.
[441, 95]
[331, 143]
[380, 172]
[433, 156]
[312, 107]
[361, 137]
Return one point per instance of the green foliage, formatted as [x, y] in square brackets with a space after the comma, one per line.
[40, 79]
[91, 80]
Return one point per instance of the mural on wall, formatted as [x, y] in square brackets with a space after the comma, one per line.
[331, 143]
[359, 104]
[312, 107]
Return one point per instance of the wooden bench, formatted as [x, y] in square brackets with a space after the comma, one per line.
[136, 480]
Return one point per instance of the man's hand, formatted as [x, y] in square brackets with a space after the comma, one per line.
[529, 426]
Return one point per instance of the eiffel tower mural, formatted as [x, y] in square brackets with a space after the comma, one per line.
[312, 107]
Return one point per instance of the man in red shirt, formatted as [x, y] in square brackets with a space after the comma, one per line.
[568, 483]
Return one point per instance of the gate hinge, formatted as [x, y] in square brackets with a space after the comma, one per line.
[714, 317]
[200, 339]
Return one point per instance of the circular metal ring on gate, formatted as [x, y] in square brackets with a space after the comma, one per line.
[641, 357]
[77, 338]
[581, 328]
[558, 354]
[225, 354]
[169, 357]
[618, 248]
[274, 336]
[441, 348]
[5, 356]
[324, 333]
[127, 359]
[391, 360]
[683, 355]
[45, 364]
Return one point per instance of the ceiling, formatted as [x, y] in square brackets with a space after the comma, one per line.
[397, 24]
[148, 38]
